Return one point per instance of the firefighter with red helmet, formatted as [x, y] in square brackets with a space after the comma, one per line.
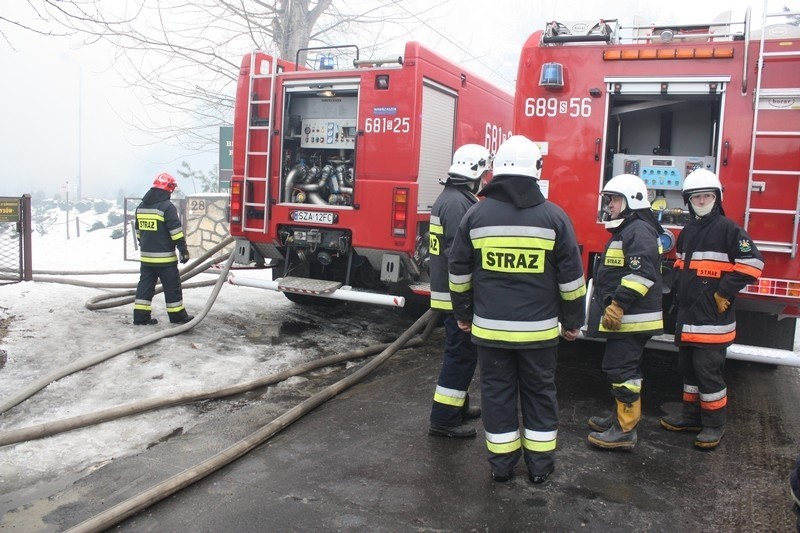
[451, 398]
[159, 232]
[625, 307]
[715, 259]
[515, 271]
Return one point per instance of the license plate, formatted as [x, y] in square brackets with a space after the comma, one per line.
[316, 217]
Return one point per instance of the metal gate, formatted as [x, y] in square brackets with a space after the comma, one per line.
[15, 239]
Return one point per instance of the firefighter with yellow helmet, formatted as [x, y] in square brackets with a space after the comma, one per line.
[451, 406]
[715, 259]
[625, 308]
[515, 272]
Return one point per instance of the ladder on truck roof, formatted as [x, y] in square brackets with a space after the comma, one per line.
[255, 123]
[761, 104]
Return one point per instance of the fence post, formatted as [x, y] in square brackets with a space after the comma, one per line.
[27, 236]
[67, 224]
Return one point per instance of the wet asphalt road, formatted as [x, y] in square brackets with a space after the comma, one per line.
[364, 462]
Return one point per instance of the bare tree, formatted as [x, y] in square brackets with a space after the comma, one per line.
[181, 57]
[793, 16]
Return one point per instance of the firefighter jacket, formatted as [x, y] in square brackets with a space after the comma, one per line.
[515, 269]
[629, 272]
[713, 255]
[158, 229]
[446, 214]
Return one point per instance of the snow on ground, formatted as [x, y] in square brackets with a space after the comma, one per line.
[49, 327]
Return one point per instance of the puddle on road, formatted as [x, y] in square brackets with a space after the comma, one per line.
[305, 327]
[610, 489]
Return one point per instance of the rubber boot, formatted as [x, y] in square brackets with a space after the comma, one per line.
[688, 420]
[709, 437]
[622, 433]
[602, 423]
[713, 422]
[471, 413]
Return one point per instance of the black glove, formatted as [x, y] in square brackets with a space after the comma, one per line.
[184, 256]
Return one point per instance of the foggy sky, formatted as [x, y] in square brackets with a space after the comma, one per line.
[45, 80]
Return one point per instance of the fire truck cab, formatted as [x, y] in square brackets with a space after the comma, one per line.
[659, 101]
[336, 169]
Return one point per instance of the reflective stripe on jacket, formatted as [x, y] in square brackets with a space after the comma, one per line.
[630, 274]
[158, 229]
[713, 255]
[515, 273]
[446, 214]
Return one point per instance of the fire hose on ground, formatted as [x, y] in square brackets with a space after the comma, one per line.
[48, 429]
[166, 488]
[176, 483]
[199, 265]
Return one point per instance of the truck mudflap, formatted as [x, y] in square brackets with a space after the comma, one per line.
[305, 286]
[741, 352]
[422, 289]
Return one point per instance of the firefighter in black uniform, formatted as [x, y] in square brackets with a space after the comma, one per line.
[159, 232]
[626, 305]
[715, 259]
[515, 272]
[451, 399]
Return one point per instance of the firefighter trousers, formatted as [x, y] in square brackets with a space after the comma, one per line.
[704, 383]
[146, 289]
[527, 376]
[460, 358]
[622, 365]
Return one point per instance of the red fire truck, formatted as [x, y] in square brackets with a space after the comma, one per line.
[659, 101]
[335, 170]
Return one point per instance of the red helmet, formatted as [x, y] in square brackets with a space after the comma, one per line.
[166, 182]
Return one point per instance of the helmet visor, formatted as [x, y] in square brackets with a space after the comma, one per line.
[612, 205]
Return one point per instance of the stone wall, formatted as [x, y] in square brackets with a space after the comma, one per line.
[206, 222]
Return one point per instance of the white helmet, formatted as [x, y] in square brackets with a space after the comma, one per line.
[630, 187]
[518, 156]
[470, 163]
[701, 180]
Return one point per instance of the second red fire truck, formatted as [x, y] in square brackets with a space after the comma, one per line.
[659, 101]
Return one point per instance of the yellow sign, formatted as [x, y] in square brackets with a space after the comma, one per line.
[9, 210]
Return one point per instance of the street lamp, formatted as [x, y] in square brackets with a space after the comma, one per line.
[67, 58]
[80, 128]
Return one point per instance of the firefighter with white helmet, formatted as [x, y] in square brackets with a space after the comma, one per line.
[515, 271]
[715, 259]
[626, 305]
[471, 163]
[518, 156]
[159, 232]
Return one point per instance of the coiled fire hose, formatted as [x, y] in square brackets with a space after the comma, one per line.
[197, 266]
[143, 341]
